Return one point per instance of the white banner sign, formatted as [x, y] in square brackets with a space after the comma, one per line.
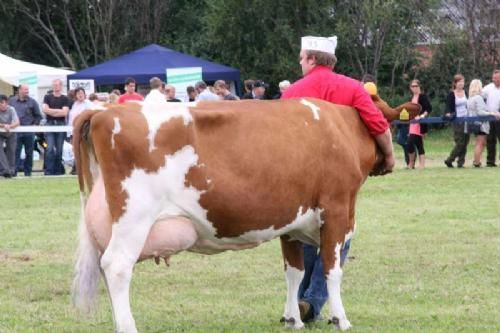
[181, 78]
[88, 85]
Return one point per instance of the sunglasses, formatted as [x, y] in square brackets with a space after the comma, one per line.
[414, 86]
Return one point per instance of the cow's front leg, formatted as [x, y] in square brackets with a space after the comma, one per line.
[332, 241]
[127, 240]
[293, 258]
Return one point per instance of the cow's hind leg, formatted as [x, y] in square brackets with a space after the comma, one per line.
[294, 271]
[333, 233]
[127, 240]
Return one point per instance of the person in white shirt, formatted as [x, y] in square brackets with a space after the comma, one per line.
[156, 94]
[456, 107]
[80, 104]
[491, 93]
[204, 94]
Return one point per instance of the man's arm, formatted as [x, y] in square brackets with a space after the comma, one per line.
[384, 141]
[377, 126]
[371, 116]
[37, 115]
[14, 123]
[55, 112]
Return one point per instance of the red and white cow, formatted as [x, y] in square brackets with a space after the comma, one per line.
[218, 176]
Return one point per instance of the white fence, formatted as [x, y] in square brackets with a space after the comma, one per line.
[39, 129]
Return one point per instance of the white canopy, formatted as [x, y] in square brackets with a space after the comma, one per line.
[11, 71]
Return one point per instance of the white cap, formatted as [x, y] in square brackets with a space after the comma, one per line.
[284, 84]
[323, 44]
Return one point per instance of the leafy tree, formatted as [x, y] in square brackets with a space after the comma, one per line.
[262, 39]
[81, 33]
[378, 38]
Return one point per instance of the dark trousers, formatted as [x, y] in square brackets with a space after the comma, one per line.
[53, 155]
[402, 140]
[7, 154]
[26, 140]
[405, 152]
[415, 143]
[461, 141]
[491, 142]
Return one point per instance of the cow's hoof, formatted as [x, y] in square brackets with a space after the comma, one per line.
[341, 324]
[292, 323]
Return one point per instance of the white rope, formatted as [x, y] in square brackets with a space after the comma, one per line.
[38, 129]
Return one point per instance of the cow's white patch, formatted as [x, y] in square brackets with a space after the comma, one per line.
[305, 228]
[333, 281]
[314, 108]
[164, 191]
[160, 112]
[94, 168]
[116, 129]
[293, 279]
[348, 236]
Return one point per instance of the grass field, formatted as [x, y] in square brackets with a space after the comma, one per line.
[425, 258]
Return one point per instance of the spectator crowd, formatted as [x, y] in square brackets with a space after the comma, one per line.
[59, 109]
[477, 101]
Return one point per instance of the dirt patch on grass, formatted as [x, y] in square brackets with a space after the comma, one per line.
[5, 256]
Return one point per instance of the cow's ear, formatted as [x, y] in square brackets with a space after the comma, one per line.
[408, 111]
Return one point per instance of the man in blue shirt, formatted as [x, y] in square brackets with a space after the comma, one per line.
[28, 112]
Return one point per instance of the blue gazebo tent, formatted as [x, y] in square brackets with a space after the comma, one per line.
[153, 60]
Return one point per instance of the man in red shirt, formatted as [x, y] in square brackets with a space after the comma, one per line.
[317, 59]
[130, 94]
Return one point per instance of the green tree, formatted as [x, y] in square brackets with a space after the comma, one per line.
[378, 38]
[262, 38]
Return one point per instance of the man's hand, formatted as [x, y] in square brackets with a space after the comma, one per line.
[389, 163]
[384, 143]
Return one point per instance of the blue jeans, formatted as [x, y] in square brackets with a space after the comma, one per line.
[53, 155]
[313, 287]
[28, 141]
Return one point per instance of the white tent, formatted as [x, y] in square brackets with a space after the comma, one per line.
[12, 70]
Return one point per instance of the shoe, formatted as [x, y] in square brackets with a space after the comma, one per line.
[448, 164]
[476, 165]
[460, 166]
[7, 175]
[491, 165]
[306, 312]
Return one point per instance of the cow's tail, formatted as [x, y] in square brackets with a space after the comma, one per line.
[87, 270]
